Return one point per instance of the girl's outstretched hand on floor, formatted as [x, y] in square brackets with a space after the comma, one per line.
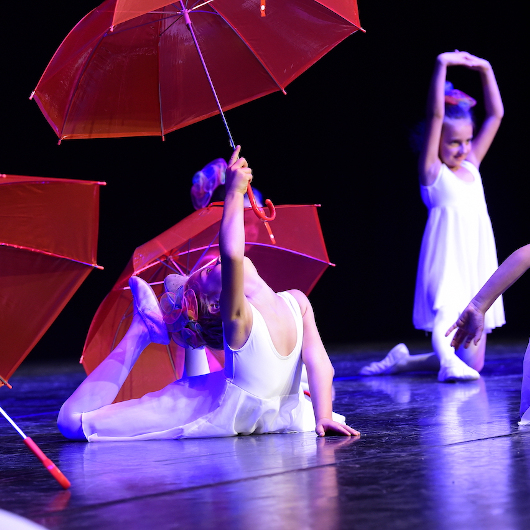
[328, 426]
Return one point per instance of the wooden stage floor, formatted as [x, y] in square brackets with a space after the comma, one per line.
[431, 456]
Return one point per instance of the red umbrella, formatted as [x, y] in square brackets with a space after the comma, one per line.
[48, 244]
[131, 68]
[149, 67]
[297, 261]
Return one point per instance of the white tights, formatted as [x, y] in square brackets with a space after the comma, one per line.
[101, 387]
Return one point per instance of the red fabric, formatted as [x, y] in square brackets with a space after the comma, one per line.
[296, 262]
[146, 78]
[48, 244]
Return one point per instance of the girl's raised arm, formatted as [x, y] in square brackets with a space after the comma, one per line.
[429, 162]
[235, 309]
[494, 110]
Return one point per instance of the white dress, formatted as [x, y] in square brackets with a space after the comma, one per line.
[258, 392]
[458, 252]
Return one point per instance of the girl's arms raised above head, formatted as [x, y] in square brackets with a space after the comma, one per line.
[470, 325]
[319, 373]
[235, 309]
[429, 161]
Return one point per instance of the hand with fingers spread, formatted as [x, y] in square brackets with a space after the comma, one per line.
[469, 327]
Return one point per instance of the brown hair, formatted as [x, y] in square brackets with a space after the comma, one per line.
[210, 322]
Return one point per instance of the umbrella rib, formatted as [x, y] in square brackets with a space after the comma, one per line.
[175, 264]
[159, 93]
[339, 15]
[176, 268]
[280, 87]
[45, 252]
[174, 368]
[275, 247]
[290, 251]
[206, 249]
[77, 82]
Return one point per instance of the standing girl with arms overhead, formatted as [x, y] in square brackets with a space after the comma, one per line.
[458, 248]
[266, 338]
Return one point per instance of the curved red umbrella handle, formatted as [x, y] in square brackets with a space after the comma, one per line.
[259, 211]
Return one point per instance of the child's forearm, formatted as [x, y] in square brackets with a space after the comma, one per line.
[492, 95]
[506, 275]
[320, 380]
[232, 232]
[436, 97]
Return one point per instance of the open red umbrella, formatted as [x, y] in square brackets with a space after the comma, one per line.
[131, 67]
[149, 67]
[48, 245]
[297, 261]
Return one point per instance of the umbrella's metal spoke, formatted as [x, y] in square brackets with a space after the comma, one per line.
[173, 367]
[280, 87]
[204, 253]
[175, 264]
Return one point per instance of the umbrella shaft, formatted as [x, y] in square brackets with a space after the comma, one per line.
[187, 20]
[4, 413]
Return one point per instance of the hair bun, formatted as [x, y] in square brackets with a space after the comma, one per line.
[453, 96]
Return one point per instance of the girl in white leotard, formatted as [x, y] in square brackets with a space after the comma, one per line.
[266, 337]
[458, 249]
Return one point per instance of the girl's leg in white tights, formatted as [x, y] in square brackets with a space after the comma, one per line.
[443, 359]
[452, 368]
[101, 387]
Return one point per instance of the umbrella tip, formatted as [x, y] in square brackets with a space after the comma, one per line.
[4, 382]
[31, 95]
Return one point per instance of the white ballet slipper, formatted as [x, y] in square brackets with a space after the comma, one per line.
[388, 365]
[457, 371]
[146, 305]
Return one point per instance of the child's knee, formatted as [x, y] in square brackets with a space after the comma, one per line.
[472, 356]
[70, 424]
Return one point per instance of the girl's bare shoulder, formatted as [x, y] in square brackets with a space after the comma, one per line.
[302, 300]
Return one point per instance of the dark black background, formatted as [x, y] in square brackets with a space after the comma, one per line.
[340, 138]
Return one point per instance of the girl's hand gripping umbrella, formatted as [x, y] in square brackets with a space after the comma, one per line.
[257, 210]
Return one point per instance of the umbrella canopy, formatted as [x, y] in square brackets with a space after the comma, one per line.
[48, 244]
[130, 67]
[297, 261]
